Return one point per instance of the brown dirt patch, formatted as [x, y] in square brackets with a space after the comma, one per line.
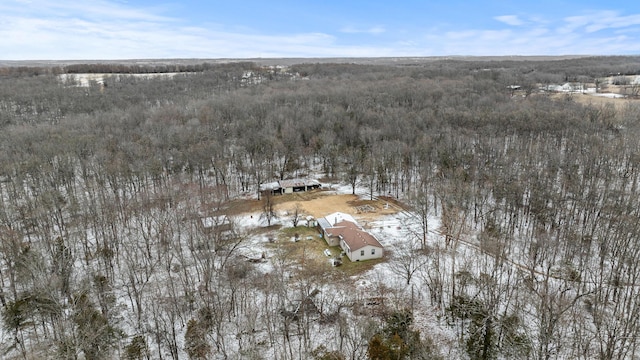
[319, 203]
[327, 204]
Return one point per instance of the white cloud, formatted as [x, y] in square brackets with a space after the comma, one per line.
[97, 10]
[512, 20]
[598, 21]
[373, 30]
[102, 29]
[479, 35]
[594, 33]
[587, 34]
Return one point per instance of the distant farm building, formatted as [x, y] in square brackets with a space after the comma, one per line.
[290, 186]
[339, 229]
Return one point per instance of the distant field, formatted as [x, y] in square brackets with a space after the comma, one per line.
[86, 79]
[288, 61]
[589, 99]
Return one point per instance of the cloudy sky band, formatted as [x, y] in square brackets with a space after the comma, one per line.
[118, 29]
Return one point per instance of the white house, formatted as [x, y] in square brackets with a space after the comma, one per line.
[331, 224]
[339, 229]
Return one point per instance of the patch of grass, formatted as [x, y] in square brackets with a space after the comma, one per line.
[266, 229]
[303, 248]
[242, 206]
[287, 233]
[312, 251]
[358, 267]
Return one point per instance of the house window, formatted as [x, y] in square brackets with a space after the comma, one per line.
[373, 251]
[361, 252]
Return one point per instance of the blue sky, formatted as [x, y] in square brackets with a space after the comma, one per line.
[144, 29]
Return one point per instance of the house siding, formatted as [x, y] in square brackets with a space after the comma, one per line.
[331, 240]
[355, 255]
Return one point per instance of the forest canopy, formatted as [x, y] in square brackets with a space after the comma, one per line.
[100, 184]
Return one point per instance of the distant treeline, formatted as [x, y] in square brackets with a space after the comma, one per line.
[137, 69]
[29, 71]
[106, 68]
[578, 69]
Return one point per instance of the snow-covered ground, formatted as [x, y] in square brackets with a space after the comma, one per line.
[609, 95]
[395, 232]
[84, 80]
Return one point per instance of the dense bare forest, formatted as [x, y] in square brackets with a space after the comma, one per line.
[534, 254]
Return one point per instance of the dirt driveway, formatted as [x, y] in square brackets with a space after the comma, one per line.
[328, 203]
[319, 203]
